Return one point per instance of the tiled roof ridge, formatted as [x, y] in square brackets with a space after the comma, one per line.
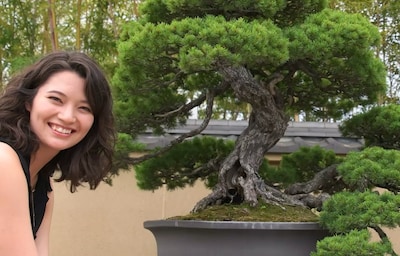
[298, 134]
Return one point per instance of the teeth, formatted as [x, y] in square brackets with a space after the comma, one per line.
[60, 129]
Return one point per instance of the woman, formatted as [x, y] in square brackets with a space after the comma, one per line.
[56, 115]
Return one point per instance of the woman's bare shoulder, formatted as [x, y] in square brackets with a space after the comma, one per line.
[11, 172]
[17, 237]
[10, 165]
[8, 158]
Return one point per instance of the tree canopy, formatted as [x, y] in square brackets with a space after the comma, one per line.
[325, 58]
[279, 57]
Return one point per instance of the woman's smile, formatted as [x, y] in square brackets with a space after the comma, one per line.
[61, 129]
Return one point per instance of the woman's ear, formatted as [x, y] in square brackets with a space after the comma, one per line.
[28, 106]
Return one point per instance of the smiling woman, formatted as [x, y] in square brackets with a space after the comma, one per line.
[55, 115]
[60, 113]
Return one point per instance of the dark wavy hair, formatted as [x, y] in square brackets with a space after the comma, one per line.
[91, 159]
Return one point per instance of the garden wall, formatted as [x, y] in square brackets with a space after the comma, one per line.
[109, 220]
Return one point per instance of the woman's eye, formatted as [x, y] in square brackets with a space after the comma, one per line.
[87, 109]
[55, 99]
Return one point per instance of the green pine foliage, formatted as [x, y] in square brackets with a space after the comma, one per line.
[184, 164]
[355, 243]
[346, 211]
[379, 126]
[372, 167]
[328, 50]
[352, 213]
[300, 166]
[175, 167]
[124, 146]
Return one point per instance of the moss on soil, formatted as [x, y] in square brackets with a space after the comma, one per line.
[244, 212]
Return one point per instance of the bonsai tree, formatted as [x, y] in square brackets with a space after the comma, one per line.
[351, 212]
[279, 57]
[371, 199]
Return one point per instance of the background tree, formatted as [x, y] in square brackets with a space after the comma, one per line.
[379, 126]
[19, 34]
[29, 29]
[277, 56]
[383, 14]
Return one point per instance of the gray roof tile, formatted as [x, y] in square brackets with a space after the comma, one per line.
[298, 134]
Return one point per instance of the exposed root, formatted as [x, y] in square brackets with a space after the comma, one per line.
[312, 201]
[249, 190]
[214, 198]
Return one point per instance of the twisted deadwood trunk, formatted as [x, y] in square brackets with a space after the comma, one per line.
[238, 174]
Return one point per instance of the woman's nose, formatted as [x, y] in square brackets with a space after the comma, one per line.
[67, 115]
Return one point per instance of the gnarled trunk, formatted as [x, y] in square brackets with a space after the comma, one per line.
[238, 175]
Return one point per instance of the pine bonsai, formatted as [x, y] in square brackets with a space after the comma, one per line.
[371, 199]
[279, 57]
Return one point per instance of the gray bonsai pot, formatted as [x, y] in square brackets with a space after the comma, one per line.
[232, 238]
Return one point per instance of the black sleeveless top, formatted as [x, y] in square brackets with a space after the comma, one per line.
[37, 198]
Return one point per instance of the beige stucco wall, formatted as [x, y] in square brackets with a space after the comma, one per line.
[109, 220]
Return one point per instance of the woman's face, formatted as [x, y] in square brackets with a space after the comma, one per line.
[60, 114]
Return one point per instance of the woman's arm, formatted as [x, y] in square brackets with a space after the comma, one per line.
[43, 234]
[16, 238]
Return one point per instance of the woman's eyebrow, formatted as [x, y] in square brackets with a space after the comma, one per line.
[63, 94]
[57, 92]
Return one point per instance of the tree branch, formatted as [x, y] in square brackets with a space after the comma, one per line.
[192, 104]
[382, 235]
[210, 102]
[212, 166]
[323, 180]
